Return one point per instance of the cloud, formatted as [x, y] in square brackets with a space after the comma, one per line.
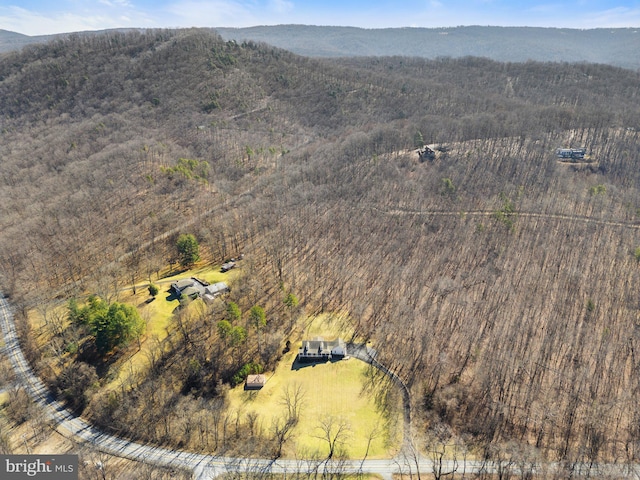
[619, 17]
[103, 14]
[115, 3]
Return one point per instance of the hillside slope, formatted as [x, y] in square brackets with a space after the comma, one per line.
[499, 283]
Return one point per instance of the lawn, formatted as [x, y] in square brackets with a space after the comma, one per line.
[331, 390]
[157, 314]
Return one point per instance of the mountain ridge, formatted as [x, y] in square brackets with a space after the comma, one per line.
[611, 46]
[615, 47]
[484, 277]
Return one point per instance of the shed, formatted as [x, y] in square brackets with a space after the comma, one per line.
[255, 382]
[228, 266]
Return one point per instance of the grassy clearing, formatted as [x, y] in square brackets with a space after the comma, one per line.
[328, 325]
[333, 389]
[157, 315]
[211, 274]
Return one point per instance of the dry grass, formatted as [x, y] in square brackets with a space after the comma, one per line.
[331, 390]
[157, 315]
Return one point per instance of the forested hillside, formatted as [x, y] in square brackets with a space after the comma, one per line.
[13, 41]
[499, 283]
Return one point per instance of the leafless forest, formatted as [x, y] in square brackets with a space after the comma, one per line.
[499, 283]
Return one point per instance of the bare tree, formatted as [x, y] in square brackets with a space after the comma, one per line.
[293, 398]
[374, 433]
[282, 430]
[252, 422]
[442, 447]
[334, 431]
[410, 453]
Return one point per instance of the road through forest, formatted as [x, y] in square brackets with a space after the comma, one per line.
[205, 467]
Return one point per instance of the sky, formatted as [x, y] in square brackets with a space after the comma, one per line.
[40, 17]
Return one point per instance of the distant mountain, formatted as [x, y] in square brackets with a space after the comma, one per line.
[13, 41]
[617, 46]
[10, 41]
[610, 46]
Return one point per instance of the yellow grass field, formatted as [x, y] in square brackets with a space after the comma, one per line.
[331, 390]
[158, 314]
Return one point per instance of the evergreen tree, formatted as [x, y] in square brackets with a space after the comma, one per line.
[188, 249]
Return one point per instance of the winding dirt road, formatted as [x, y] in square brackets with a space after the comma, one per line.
[516, 214]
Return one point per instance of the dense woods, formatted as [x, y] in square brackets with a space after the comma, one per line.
[499, 283]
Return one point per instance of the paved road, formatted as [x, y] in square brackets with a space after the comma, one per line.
[207, 467]
[204, 466]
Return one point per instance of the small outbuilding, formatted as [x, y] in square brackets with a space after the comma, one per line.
[255, 382]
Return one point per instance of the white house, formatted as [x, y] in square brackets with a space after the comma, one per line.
[320, 349]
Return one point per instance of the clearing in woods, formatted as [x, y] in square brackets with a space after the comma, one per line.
[332, 392]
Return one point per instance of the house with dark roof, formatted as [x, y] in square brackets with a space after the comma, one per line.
[321, 350]
[194, 288]
[189, 287]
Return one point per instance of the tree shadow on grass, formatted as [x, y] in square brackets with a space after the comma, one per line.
[88, 353]
[175, 271]
[147, 302]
